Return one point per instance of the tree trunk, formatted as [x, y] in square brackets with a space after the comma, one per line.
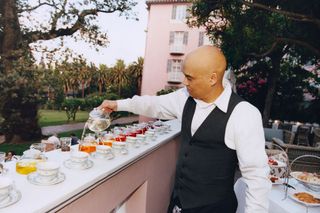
[20, 111]
[272, 79]
[139, 85]
[100, 88]
[82, 89]
[11, 39]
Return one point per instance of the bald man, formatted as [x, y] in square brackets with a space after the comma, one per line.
[219, 131]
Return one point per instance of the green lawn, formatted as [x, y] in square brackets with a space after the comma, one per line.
[54, 117]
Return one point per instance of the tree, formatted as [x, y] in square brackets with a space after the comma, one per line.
[66, 18]
[252, 33]
[119, 75]
[101, 76]
[135, 71]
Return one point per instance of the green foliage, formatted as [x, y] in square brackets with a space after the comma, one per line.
[18, 149]
[19, 100]
[71, 106]
[94, 100]
[258, 38]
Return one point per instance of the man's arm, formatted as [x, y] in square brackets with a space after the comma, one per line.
[167, 106]
[253, 161]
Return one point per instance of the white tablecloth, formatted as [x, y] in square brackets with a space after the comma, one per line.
[37, 198]
[276, 202]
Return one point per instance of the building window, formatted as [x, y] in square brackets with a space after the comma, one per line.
[179, 12]
[204, 39]
[174, 69]
[178, 41]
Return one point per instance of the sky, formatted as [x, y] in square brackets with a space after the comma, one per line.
[126, 37]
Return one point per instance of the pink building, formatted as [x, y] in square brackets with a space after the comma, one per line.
[169, 39]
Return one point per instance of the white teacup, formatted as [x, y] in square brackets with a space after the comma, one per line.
[32, 153]
[104, 151]
[6, 184]
[151, 132]
[79, 157]
[47, 171]
[119, 148]
[132, 141]
[150, 135]
[141, 138]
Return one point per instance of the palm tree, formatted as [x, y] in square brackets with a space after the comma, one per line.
[135, 70]
[83, 73]
[119, 75]
[102, 76]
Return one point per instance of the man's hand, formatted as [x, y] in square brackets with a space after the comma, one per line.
[108, 106]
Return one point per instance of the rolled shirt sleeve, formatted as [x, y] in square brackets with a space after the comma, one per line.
[246, 131]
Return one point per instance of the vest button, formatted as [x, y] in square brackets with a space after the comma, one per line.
[186, 154]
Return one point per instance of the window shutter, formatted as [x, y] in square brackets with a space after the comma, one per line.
[188, 12]
[174, 12]
[169, 65]
[185, 38]
[201, 34]
[171, 39]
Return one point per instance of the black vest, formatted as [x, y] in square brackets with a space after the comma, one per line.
[206, 166]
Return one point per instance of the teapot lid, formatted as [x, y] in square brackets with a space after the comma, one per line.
[96, 113]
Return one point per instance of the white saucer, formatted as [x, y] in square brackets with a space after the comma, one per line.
[95, 155]
[13, 197]
[71, 165]
[34, 179]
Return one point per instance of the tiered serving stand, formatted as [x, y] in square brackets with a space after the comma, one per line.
[308, 187]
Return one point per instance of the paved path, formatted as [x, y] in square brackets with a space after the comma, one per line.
[49, 130]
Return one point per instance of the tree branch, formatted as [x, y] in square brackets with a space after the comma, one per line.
[29, 9]
[301, 43]
[38, 35]
[290, 15]
[287, 40]
[261, 55]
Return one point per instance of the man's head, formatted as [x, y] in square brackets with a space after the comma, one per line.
[204, 70]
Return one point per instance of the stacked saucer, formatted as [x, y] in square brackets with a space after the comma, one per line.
[8, 194]
[78, 160]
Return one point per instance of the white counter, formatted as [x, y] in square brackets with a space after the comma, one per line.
[78, 182]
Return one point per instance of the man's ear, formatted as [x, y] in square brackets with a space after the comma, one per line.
[213, 79]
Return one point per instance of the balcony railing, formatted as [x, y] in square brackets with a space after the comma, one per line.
[177, 49]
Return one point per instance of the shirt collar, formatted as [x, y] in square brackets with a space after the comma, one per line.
[221, 102]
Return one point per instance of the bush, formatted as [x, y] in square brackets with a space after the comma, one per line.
[94, 100]
[71, 106]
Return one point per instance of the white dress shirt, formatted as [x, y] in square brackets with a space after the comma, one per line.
[244, 133]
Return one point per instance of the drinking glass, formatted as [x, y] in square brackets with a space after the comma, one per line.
[65, 143]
